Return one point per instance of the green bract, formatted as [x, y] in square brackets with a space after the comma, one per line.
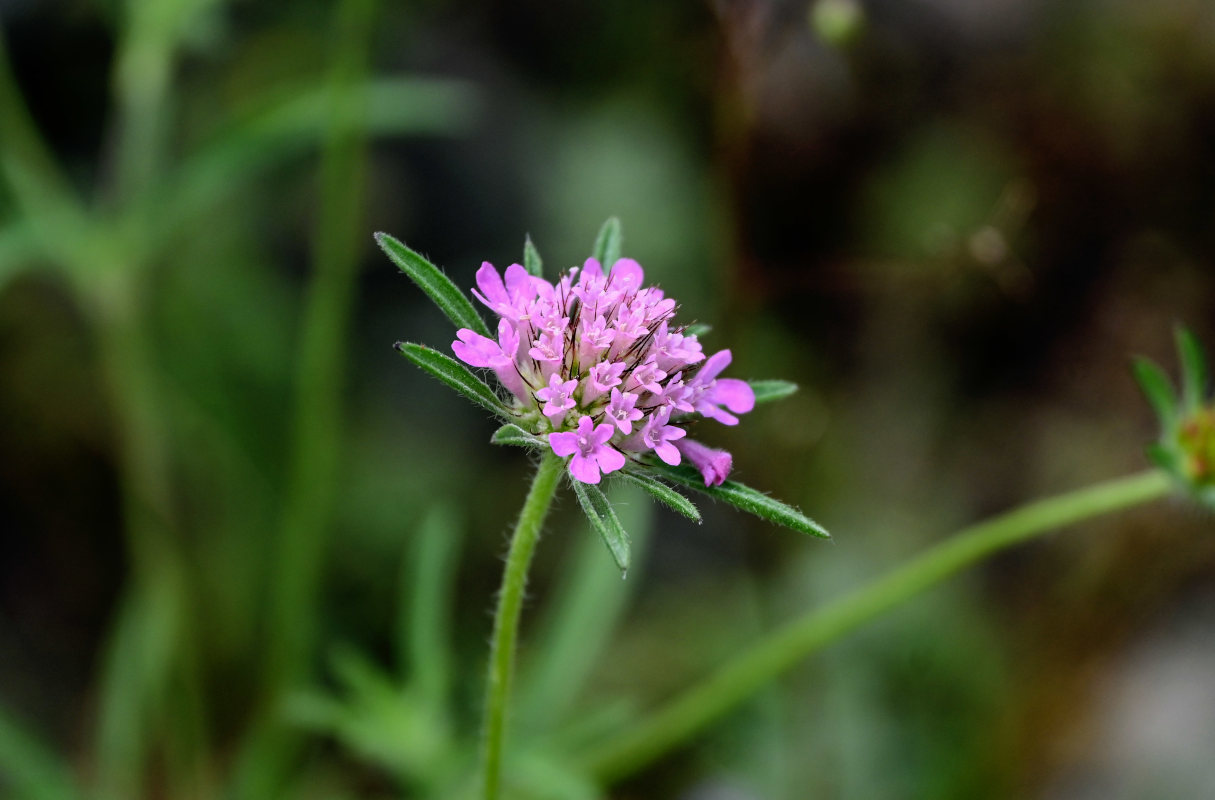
[1186, 448]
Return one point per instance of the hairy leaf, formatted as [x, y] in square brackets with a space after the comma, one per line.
[662, 493]
[743, 497]
[531, 259]
[445, 294]
[767, 391]
[1193, 369]
[603, 519]
[608, 243]
[512, 434]
[1159, 391]
[455, 375]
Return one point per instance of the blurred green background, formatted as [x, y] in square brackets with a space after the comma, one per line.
[248, 551]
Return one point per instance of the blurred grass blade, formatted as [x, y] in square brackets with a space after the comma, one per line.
[18, 250]
[438, 287]
[743, 497]
[1193, 369]
[767, 391]
[427, 595]
[291, 123]
[454, 374]
[697, 329]
[29, 769]
[578, 624]
[531, 259]
[603, 519]
[514, 435]
[1159, 391]
[662, 493]
[608, 243]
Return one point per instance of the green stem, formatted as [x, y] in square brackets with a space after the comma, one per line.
[506, 620]
[707, 701]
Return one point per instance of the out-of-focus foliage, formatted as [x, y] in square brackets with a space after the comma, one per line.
[223, 565]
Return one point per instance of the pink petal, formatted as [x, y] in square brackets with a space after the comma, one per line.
[713, 367]
[564, 443]
[627, 274]
[490, 283]
[736, 395]
[519, 283]
[592, 267]
[668, 453]
[585, 469]
[474, 349]
[603, 432]
[609, 458]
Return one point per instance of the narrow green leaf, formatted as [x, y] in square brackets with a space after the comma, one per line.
[1159, 391]
[445, 294]
[512, 434]
[767, 391]
[30, 768]
[603, 519]
[662, 493]
[455, 375]
[531, 259]
[743, 497]
[607, 243]
[697, 329]
[1193, 369]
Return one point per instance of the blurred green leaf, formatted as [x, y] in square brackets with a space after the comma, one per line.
[18, 250]
[576, 628]
[1159, 391]
[29, 769]
[291, 124]
[1193, 369]
[427, 596]
[514, 435]
[450, 300]
[662, 493]
[608, 243]
[740, 496]
[1164, 457]
[531, 259]
[603, 519]
[697, 329]
[455, 375]
[769, 390]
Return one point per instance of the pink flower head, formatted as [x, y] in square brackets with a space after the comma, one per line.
[714, 465]
[590, 450]
[597, 345]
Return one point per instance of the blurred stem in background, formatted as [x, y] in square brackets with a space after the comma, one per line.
[708, 701]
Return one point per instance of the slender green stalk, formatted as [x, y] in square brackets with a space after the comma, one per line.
[705, 702]
[506, 620]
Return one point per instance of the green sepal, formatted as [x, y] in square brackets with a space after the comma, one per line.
[531, 259]
[608, 244]
[661, 492]
[438, 287]
[767, 391]
[1159, 391]
[1193, 369]
[603, 519]
[512, 434]
[697, 329]
[743, 497]
[1164, 458]
[455, 375]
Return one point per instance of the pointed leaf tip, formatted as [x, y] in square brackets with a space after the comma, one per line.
[743, 497]
[1157, 388]
[531, 259]
[608, 243]
[512, 434]
[603, 519]
[1193, 368]
[437, 286]
[767, 391]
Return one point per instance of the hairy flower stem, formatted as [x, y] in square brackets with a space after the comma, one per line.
[756, 667]
[506, 619]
